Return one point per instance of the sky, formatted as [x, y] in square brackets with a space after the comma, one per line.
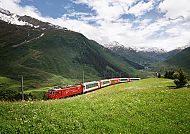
[164, 24]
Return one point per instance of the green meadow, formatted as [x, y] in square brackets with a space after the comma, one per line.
[146, 106]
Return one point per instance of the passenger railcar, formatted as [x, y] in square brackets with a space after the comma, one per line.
[133, 79]
[122, 80]
[114, 81]
[90, 86]
[104, 83]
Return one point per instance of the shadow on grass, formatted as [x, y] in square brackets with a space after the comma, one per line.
[172, 87]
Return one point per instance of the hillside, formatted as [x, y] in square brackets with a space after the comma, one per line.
[6, 83]
[54, 54]
[181, 60]
[147, 106]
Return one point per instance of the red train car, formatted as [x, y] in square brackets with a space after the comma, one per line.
[58, 93]
[114, 81]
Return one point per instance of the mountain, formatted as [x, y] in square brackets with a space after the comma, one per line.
[12, 18]
[181, 60]
[142, 56]
[43, 52]
[145, 58]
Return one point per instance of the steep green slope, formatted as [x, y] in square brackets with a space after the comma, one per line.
[181, 60]
[148, 106]
[6, 83]
[40, 55]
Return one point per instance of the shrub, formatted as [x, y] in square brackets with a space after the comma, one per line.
[166, 74]
[14, 95]
[9, 95]
[169, 74]
[180, 78]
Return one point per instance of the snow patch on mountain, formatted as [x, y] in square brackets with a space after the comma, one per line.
[153, 49]
[11, 18]
[183, 47]
[116, 45]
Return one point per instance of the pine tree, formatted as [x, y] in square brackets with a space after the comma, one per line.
[166, 74]
[180, 78]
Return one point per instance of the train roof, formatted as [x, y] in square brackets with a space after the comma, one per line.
[63, 87]
[92, 82]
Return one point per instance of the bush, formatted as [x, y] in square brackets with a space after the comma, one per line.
[26, 97]
[169, 74]
[166, 74]
[9, 95]
[180, 78]
[14, 95]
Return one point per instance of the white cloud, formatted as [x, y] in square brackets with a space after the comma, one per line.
[141, 8]
[176, 8]
[113, 28]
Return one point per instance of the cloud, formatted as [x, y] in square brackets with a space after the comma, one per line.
[141, 8]
[175, 8]
[105, 24]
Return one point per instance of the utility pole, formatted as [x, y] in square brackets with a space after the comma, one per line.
[22, 82]
[83, 76]
[28, 33]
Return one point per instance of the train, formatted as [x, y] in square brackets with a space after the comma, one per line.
[63, 92]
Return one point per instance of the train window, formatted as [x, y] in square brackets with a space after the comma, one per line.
[105, 82]
[52, 92]
[91, 85]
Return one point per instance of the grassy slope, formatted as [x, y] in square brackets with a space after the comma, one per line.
[146, 106]
[6, 83]
[58, 54]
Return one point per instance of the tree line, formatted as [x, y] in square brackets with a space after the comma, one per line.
[179, 77]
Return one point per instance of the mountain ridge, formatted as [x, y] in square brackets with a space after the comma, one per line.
[143, 57]
[42, 54]
[12, 18]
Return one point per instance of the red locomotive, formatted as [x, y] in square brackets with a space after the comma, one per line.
[58, 93]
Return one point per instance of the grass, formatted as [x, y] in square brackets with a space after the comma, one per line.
[39, 94]
[7, 83]
[146, 106]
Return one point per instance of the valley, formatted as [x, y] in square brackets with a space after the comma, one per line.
[92, 66]
[49, 55]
